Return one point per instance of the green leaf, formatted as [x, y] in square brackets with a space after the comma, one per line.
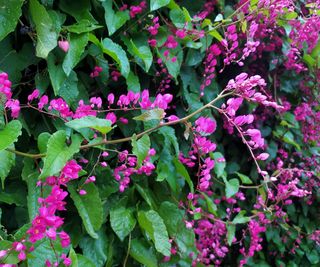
[69, 90]
[101, 125]
[73, 257]
[96, 249]
[181, 169]
[116, 52]
[240, 218]
[244, 178]
[10, 134]
[232, 187]
[146, 194]
[122, 220]
[313, 256]
[133, 83]
[172, 217]
[58, 153]
[210, 204]
[153, 225]
[152, 114]
[156, 4]
[170, 138]
[231, 228]
[30, 176]
[46, 33]
[7, 161]
[144, 53]
[219, 166]
[10, 11]
[143, 253]
[289, 139]
[89, 207]
[77, 43]
[56, 73]
[84, 261]
[114, 20]
[140, 148]
[216, 35]
[173, 67]
[43, 139]
[82, 26]
[79, 9]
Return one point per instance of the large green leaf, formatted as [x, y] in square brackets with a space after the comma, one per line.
[144, 53]
[151, 222]
[156, 4]
[56, 73]
[181, 170]
[133, 83]
[116, 52]
[7, 160]
[58, 153]
[10, 11]
[114, 20]
[141, 147]
[122, 220]
[96, 249]
[10, 134]
[30, 176]
[78, 43]
[46, 32]
[89, 207]
[101, 125]
[79, 9]
[172, 216]
[84, 261]
[143, 253]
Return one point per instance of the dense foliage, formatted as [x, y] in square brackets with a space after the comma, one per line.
[159, 133]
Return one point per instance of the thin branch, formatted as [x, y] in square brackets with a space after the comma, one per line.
[126, 139]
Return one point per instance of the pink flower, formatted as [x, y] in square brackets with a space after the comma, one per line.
[181, 34]
[61, 106]
[263, 156]
[3, 253]
[65, 239]
[244, 119]
[205, 125]
[22, 256]
[33, 95]
[43, 101]
[152, 42]
[111, 117]
[171, 42]
[66, 261]
[64, 45]
[96, 101]
[82, 192]
[14, 105]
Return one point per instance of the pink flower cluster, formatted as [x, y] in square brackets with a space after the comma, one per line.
[135, 10]
[127, 167]
[6, 94]
[210, 64]
[96, 71]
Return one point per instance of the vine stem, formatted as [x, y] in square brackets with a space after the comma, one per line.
[139, 135]
[128, 252]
